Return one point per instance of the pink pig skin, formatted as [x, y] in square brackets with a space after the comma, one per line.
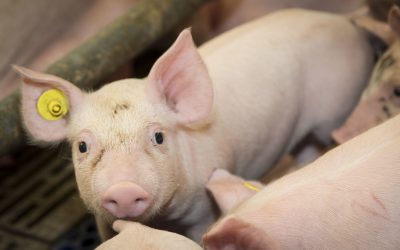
[347, 199]
[229, 190]
[381, 98]
[238, 102]
[133, 235]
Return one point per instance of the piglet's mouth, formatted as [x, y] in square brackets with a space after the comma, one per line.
[110, 218]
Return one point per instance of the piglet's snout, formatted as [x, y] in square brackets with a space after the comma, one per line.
[126, 199]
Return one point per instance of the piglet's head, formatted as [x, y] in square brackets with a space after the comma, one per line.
[128, 137]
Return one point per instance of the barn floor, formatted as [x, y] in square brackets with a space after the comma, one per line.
[40, 207]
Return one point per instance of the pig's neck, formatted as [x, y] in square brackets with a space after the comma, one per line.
[251, 141]
[199, 152]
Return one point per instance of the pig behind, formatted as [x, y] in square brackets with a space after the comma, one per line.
[143, 149]
[347, 199]
[381, 98]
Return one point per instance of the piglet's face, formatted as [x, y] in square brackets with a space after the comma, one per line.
[124, 152]
[127, 138]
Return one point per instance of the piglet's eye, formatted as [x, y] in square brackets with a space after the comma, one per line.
[82, 147]
[396, 92]
[159, 138]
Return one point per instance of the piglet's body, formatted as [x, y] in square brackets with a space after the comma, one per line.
[277, 79]
[144, 149]
[347, 199]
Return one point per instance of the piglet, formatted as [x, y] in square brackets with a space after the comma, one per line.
[347, 199]
[381, 98]
[143, 149]
[133, 235]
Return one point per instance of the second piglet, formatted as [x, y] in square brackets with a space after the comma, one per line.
[381, 98]
[143, 149]
[347, 199]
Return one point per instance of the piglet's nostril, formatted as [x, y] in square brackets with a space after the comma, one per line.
[139, 200]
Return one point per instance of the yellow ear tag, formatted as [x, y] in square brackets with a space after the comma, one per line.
[52, 105]
[251, 186]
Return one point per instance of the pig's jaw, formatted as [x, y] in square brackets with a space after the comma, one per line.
[190, 205]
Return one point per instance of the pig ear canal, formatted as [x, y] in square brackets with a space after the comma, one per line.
[180, 80]
[46, 103]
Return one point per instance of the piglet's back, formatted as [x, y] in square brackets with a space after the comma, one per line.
[285, 72]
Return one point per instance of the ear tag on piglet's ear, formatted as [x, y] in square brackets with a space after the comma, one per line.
[251, 186]
[52, 105]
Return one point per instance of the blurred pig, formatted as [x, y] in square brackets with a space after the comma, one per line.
[347, 199]
[381, 99]
[133, 235]
[143, 149]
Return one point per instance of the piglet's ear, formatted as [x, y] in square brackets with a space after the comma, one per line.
[47, 101]
[229, 190]
[180, 80]
[236, 234]
[382, 30]
[394, 20]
